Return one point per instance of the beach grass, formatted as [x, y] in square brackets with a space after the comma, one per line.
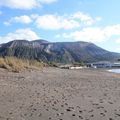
[15, 64]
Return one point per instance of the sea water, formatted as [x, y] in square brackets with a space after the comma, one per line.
[114, 70]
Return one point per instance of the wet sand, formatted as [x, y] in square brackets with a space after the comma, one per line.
[59, 94]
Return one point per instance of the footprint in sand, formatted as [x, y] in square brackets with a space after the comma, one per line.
[73, 115]
[80, 117]
[102, 114]
[68, 110]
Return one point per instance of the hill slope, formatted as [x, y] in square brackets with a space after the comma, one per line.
[64, 52]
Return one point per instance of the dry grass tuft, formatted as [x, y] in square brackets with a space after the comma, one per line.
[14, 64]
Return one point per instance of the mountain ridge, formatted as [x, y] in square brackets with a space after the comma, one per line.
[61, 52]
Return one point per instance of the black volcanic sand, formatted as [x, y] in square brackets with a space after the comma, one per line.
[59, 94]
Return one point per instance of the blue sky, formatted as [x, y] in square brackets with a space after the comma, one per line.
[96, 21]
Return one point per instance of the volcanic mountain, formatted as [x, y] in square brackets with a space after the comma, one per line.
[60, 52]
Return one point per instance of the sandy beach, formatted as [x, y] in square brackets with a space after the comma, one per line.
[59, 94]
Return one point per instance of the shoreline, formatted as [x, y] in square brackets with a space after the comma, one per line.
[115, 70]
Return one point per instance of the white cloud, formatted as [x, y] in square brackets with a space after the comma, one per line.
[83, 18]
[47, 1]
[67, 21]
[24, 4]
[112, 30]
[34, 16]
[117, 50]
[26, 34]
[87, 34]
[19, 19]
[54, 22]
[118, 41]
[19, 4]
[94, 34]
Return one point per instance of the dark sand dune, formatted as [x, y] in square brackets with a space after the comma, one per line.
[59, 94]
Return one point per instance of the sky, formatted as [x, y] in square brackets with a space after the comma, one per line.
[96, 21]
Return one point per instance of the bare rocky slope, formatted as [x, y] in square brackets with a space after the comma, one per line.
[62, 52]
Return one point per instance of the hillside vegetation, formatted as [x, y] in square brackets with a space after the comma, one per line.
[16, 65]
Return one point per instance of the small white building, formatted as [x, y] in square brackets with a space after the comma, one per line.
[104, 64]
[116, 65]
[71, 66]
[75, 67]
